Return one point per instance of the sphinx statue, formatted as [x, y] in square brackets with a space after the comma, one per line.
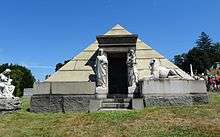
[158, 71]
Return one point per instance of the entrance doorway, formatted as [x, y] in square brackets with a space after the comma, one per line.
[117, 75]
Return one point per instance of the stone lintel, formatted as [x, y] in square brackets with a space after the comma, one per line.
[117, 40]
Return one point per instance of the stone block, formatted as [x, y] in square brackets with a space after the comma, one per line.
[69, 66]
[101, 92]
[202, 98]
[40, 103]
[71, 76]
[56, 103]
[76, 88]
[9, 104]
[41, 88]
[77, 103]
[137, 103]
[60, 103]
[149, 54]
[94, 105]
[172, 86]
[64, 88]
[168, 100]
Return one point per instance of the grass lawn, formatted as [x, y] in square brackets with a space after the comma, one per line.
[200, 120]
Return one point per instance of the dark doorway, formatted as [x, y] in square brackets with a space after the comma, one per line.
[117, 74]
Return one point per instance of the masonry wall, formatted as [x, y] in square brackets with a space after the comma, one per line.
[62, 96]
[166, 92]
[60, 103]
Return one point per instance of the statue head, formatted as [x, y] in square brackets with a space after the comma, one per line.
[131, 51]
[101, 52]
[152, 62]
[7, 71]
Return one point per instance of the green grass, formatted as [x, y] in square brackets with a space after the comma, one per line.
[191, 121]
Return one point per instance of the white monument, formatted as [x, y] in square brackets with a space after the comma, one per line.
[101, 70]
[7, 101]
[6, 88]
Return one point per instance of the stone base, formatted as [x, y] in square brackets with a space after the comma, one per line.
[137, 103]
[89, 103]
[9, 104]
[101, 92]
[131, 91]
[175, 100]
[95, 105]
[60, 103]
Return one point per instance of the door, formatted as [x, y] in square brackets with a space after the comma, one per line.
[117, 74]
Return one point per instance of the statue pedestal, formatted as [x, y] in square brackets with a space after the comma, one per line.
[101, 92]
[9, 104]
[131, 91]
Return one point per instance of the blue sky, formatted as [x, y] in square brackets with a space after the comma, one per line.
[41, 33]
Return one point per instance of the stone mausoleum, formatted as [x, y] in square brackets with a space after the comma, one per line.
[117, 72]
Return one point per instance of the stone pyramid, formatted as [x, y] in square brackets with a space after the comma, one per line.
[81, 67]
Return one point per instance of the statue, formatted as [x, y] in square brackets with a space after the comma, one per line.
[101, 69]
[6, 88]
[158, 71]
[132, 70]
[8, 103]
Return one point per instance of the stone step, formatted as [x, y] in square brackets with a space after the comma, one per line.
[115, 105]
[117, 95]
[113, 109]
[116, 100]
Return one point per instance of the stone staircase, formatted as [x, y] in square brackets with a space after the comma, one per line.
[115, 104]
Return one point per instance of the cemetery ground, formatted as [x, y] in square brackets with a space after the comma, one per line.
[197, 120]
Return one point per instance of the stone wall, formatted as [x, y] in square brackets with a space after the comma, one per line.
[60, 103]
[166, 92]
[175, 100]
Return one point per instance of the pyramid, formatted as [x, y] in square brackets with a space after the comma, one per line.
[81, 67]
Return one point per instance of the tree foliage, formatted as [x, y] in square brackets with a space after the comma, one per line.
[202, 56]
[22, 77]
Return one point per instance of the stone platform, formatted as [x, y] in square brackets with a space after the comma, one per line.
[161, 92]
[165, 92]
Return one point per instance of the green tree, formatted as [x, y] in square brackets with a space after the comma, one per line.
[216, 52]
[180, 61]
[204, 42]
[202, 56]
[22, 77]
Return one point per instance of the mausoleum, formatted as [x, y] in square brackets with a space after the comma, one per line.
[117, 72]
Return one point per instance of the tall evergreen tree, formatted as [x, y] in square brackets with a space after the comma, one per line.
[204, 42]
[202, 56]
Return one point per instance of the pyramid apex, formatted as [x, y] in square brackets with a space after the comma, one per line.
[117, 30]
[118, 26]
